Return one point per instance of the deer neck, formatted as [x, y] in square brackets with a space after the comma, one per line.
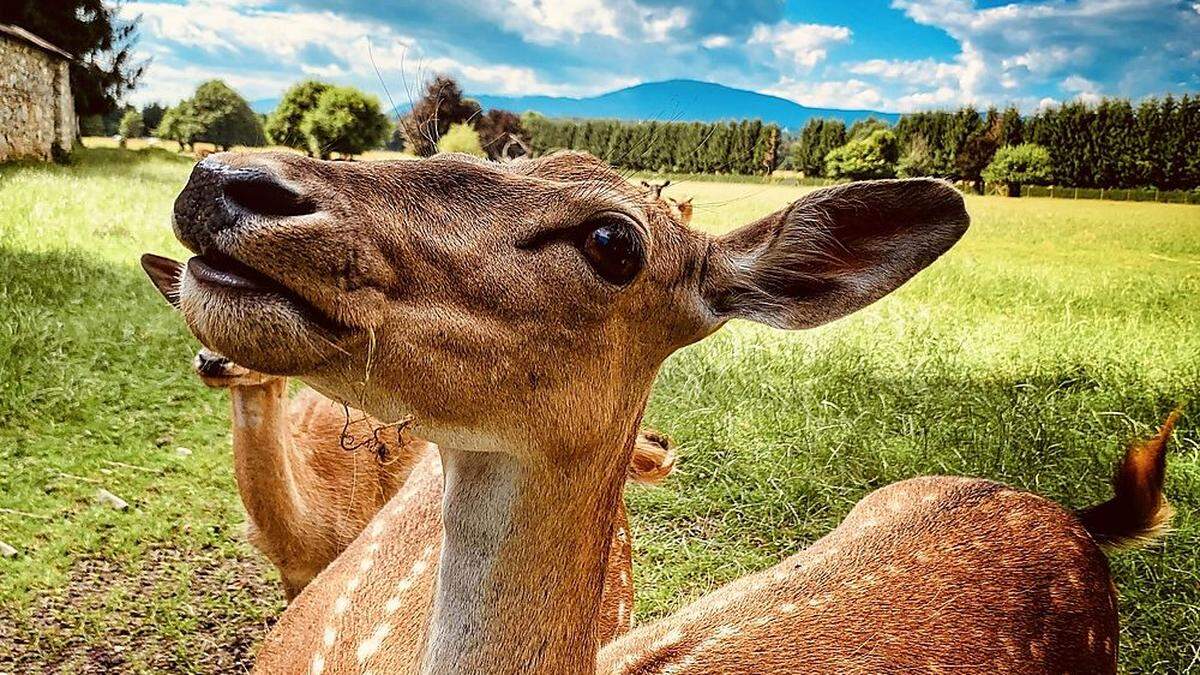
[264, 459]
[524, 552]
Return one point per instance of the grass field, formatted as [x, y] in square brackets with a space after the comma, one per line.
[1031, 353]
[105, 142]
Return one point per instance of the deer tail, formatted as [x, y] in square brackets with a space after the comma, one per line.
[653, 459]
[1138, 513]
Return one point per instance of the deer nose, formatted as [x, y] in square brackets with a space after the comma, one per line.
[210, 364]
[219, 197]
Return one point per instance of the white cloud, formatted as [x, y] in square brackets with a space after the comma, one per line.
[549, 22]
[716, 41]
[942, 97]
[218, 26]
[1012, 48]
[847, 94]
[799, 45]
[283, 44]
[662, 26]
[1078, 83]
[171, 83]
[923, 71]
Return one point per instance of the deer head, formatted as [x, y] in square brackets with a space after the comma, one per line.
[656, 188]
[490, 293]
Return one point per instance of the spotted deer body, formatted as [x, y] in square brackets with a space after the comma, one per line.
[921, 576]
[519, 314]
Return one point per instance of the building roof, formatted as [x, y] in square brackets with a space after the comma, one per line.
[29, 38]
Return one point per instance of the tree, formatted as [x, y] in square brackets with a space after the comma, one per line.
[180, 124]
[865, 127]
[431, 116]
[817, 138]
[152, 115]
[874, 156]
[1012, 127]
[461, 138]
[283, 124]
[112, 119]
[395, 142]
[1017, 165]
[132, 125]
[766, 149]
[225, 117]
[345, 121]
[101, 44]
[92, 125]
[918, 160]
[977, 150]
[499, 130]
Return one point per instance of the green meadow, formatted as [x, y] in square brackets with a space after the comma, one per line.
[1052, 335]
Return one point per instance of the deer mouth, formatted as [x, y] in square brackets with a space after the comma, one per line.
[222, 275]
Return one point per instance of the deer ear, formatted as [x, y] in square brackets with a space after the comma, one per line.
[834, 251]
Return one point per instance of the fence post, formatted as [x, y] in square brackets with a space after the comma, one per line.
[1076, 193]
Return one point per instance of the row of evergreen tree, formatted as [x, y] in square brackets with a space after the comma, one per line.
[1110, 144]
[746, 147]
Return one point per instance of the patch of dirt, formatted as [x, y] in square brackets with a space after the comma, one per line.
[180, 611]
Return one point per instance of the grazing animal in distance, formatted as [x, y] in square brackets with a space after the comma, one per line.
[521, 312]
[683, 207]
[656, 188]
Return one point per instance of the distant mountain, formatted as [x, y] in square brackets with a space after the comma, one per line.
[679, 100]
[671, 100]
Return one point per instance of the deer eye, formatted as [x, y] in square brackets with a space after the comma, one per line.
[613, 248]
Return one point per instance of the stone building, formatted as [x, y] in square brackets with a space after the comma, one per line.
[37, 111]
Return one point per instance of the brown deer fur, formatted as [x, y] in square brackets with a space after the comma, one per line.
[519, 314]
[308, 495]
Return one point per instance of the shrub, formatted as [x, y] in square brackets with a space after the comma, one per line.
[498, 130]
[461, 138]
[918, 160]
[395, 141]
[863, 128]
[345, 121]
[225, 117]
[92, 125]
[284, 123]
[131, 124]
[873, 156]
[1015, 165]
[818, 137]
[431, 116]
[152, 115]
[179, 123]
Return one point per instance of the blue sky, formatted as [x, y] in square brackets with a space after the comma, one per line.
[893, 55]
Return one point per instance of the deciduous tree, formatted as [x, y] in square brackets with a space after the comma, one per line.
[225, 117]
[345, 121]
[283, 125]
[431, 116]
